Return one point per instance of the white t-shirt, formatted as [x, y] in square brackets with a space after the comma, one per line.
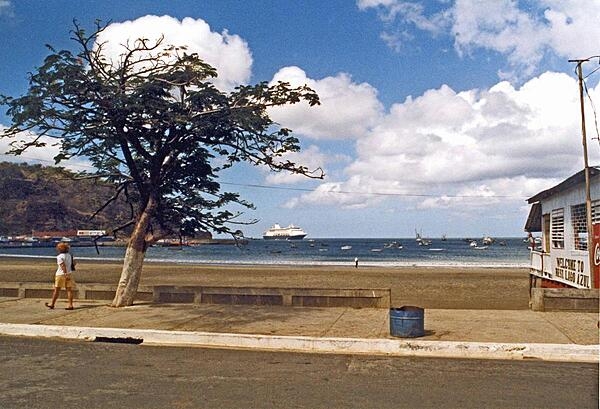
[63, 258]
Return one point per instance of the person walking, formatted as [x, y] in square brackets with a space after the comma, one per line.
[63, 278]
[355, 262]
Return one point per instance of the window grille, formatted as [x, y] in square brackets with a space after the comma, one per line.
[579, 223]
[596, 211]
[557, 221]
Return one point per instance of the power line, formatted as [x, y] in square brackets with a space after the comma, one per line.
[392, 194]
[342, 192]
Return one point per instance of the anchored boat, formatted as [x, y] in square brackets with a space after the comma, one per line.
[284, 233]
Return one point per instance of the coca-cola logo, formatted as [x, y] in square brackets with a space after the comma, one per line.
[597, 254]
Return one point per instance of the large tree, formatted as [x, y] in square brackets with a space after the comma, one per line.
[152, 123]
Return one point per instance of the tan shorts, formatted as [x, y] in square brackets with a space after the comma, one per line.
[64, 281]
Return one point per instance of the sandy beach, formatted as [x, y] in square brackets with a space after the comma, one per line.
[428, 287]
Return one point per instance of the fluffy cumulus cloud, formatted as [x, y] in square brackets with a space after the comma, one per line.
[358, 192]
[228, 53]
[44, 155]
[568, 28]
[522, 31]
[347, 111]
[454, 147]
[311, 157]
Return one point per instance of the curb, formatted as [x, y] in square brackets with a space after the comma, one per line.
[390, 347]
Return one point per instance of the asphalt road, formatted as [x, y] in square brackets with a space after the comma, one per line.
[44, 373]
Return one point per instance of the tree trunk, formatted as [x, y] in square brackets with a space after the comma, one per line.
[134, 260]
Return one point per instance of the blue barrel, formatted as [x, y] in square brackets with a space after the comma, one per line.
[407, 322]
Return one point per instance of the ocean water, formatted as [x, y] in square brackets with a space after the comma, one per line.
[506, 252]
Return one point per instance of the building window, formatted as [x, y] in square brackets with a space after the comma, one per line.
[596, 211]
[579, 223]
[558, 228]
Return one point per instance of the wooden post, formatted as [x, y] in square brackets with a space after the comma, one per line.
[586, 169]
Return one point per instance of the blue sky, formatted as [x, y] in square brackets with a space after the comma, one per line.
[441, 115]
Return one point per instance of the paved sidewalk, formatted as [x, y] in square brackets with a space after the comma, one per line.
[484, 328]
[440, 325]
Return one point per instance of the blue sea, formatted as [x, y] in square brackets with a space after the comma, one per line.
[505, 252]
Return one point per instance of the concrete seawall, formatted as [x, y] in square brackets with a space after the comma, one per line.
[290, 297]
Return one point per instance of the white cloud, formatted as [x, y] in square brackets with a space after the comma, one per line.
[43, 156]
[452, 145]
[573, 28]
[6, 8]
[355, 193]
[228, 53]
[408, 12]
[311, 157]
[522, 31]
[347, 110]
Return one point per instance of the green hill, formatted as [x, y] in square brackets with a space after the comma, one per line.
[40, 198]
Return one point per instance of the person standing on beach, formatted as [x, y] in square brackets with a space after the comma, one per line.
[355, 262]
[531, 241]
[63, 278]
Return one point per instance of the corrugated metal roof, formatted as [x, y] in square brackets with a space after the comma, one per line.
[574, 180]
[534, 220]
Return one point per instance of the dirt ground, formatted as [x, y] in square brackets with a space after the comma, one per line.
[427, 287]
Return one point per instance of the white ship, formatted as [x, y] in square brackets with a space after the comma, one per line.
[284, 233]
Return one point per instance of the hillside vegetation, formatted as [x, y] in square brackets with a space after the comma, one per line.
[42, 198]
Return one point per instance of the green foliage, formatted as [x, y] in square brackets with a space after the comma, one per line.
[155, 127]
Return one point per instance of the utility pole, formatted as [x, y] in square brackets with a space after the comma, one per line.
[586, 170]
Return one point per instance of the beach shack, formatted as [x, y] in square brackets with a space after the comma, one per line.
[562, 258]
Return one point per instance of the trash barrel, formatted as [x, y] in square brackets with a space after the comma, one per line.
[407, 322]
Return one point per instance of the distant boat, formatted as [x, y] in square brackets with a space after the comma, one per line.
[376, 250]
[444, 237]
[284, 233]
[437, 249]
[392, 245]
[420, 240]
[487, 240]
[480, 247]
[345, 247]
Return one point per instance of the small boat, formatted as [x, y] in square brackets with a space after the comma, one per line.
[376, 250]
[436, 249]
[392, 245]
[480, 247]
[420, 240]
[473, 243]
[487, 240]
[345, 247]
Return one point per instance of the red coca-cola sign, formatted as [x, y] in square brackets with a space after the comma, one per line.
[596, 254]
